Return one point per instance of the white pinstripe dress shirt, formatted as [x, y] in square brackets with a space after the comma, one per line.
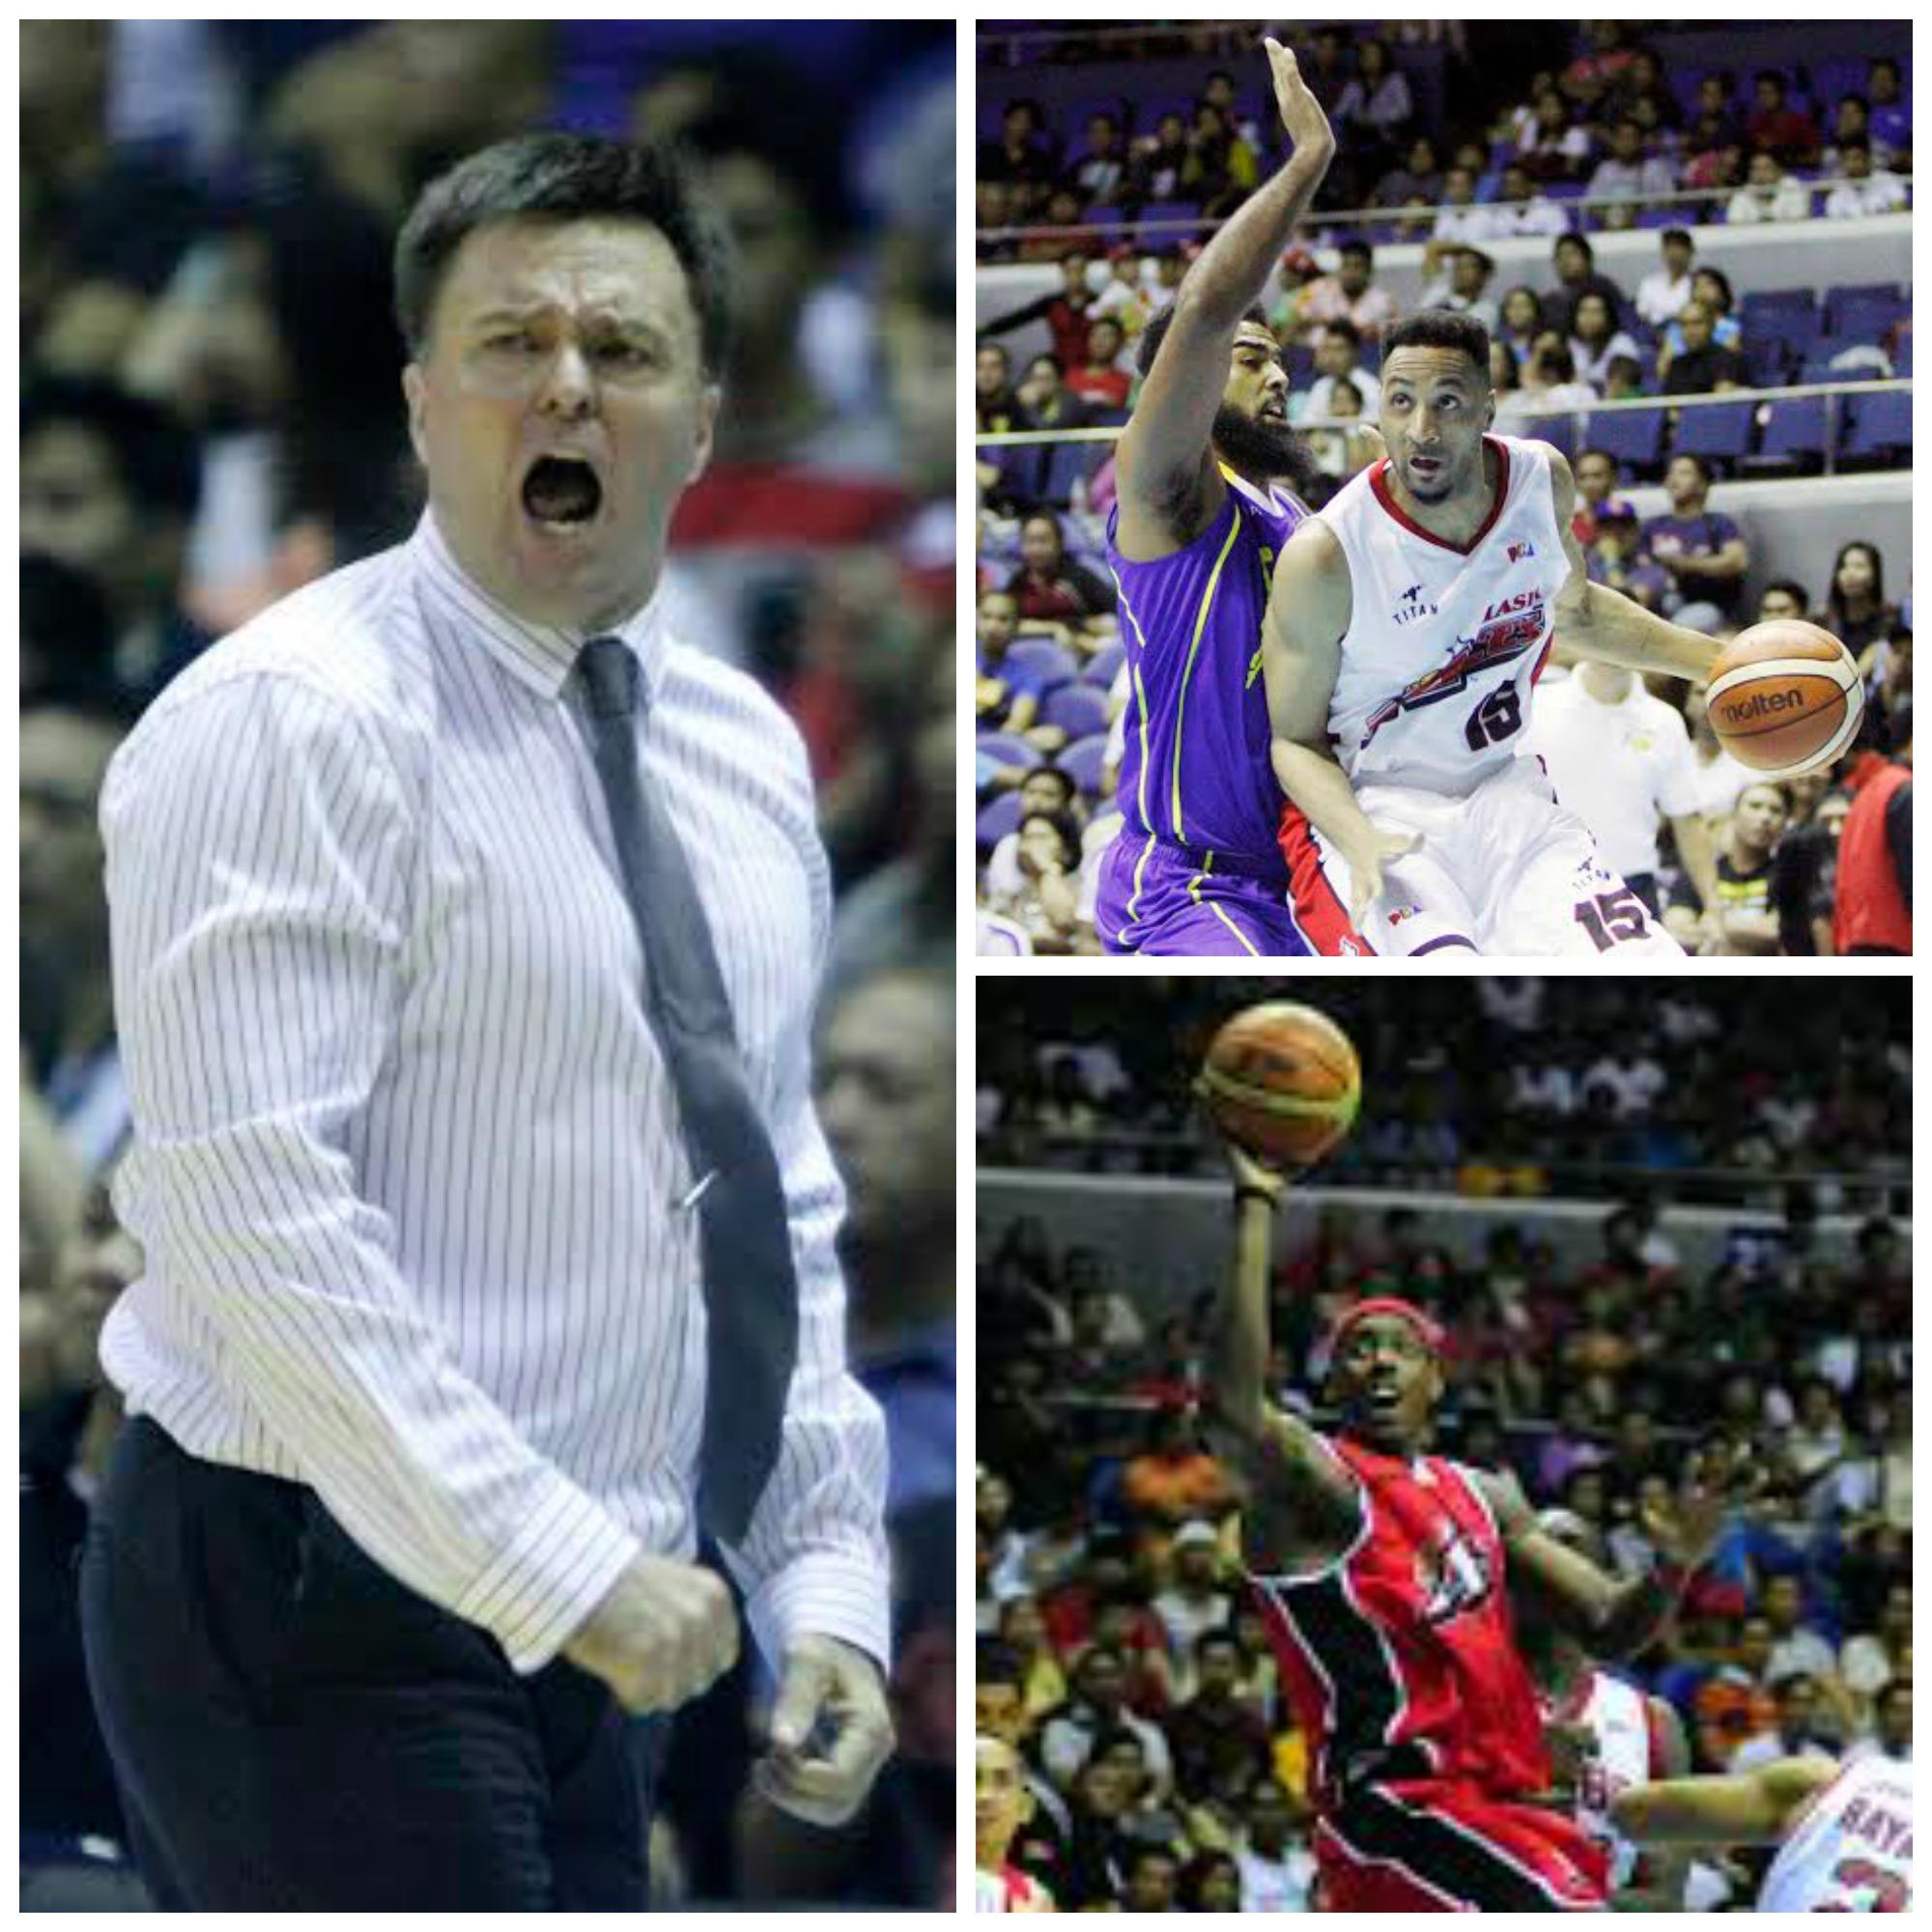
[406, 1168]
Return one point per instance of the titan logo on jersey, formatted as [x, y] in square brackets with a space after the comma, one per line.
[1413, 604]
[1510, 628]
[1452, 1575]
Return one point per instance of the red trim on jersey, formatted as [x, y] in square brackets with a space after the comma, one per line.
[1543, 663]
[1659, 1745]
[1317, 907]
[1378, 484]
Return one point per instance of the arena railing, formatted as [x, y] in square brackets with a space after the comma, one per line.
[1594, 213]
[1835, 394]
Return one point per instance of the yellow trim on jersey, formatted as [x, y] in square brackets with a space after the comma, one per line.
[1194, 893]
[1222, 916]
[1140, 700]
[1193, 650]
[1140, 875]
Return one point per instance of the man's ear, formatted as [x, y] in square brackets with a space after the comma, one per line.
[709, 400]
[415, 395]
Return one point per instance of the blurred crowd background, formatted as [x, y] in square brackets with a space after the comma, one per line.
[1641, 1217]
[1646, 216]
[212, 417]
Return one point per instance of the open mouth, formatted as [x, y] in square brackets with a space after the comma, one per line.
[563, 492]
[1426, 466]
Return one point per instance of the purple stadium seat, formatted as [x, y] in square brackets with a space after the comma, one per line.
[1719, 430]
[1082, 760]
[999, 818]
[1077, 709]
[1558, 428]
[1067, 464]
[1766, 361]
[1052, 665]
[1634, 437]
[1863, 314]
[1901, 362]
[1102, 665]
[1881, 427]
[1794, 435]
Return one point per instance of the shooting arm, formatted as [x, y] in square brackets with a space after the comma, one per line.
[1298, 1492]
[1596, 622]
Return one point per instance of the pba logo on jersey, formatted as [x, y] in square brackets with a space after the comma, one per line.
[1452, 1575]
[1509, 629]
[1413, 604]
[1519, 550]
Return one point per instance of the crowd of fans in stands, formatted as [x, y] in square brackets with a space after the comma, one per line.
[1614, 127]
[1116, 1644]
[212, 417]
[1051, 691]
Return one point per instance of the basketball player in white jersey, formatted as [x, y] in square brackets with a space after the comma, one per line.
[1843, 1831]
[1612, 1736]
[1407, 625]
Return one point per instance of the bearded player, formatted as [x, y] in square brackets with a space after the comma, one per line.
[1843, 1831]
[1383, 1574]
[1408, 623]
[1203, 509]
[1613, 1736]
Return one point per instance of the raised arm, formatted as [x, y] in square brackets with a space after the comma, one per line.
[1752, 1809]
[1168, 485]
[1308, 612]
[1302, 1505]
[1596, 621]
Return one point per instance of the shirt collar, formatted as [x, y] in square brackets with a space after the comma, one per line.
[540, 656]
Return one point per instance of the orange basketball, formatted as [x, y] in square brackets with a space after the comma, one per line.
[1785, 698]
[1283, 1082]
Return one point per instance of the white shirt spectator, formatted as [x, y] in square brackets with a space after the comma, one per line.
[1661, 296]
[1787, 201]
[1804, 1652]
[1593, 366]
[1471, 224]
[1616, 766]
[1881, 192]
[1631, 181]
[1867, 1665]
[1548, 1090]
[1275, 1884]
[1316, 401]
[1538, 216]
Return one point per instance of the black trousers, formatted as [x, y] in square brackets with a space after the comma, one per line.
[293, 1729]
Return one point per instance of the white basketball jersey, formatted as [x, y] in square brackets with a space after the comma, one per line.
[1443, 646]
[1624, 1759]
[1851, 1850]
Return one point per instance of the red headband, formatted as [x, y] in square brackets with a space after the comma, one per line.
[1388, 1304]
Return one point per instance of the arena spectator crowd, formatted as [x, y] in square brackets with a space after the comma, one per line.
[1594, 138]
[212, 417]
[1118, 1648]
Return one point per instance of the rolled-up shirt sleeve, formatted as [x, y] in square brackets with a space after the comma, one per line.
[814, 1559]
[261, 838]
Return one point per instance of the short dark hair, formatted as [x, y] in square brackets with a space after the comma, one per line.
[1853, 142]
[566, 178]
[155, 453]
[997, 1662]
[1156, 333]
[1065, 779]
[1344, 328]
[1682, 235]
[1692, 456]
[1441, 329]
[1356, 245]
[1593, 450]
[1569, 238]
[1796, 591]
[1769, 74]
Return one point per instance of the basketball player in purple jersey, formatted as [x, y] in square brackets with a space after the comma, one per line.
[1202, 516]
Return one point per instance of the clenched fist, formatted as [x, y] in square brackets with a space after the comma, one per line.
[663, 1634]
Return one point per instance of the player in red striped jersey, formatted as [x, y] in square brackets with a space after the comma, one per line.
[1381, 1570]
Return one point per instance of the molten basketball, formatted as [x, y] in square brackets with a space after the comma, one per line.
[1785, 698]
[1283, 1082]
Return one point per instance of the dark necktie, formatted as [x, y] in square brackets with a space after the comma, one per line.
[751, 1289]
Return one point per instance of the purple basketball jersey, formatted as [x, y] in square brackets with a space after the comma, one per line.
[1196, 773]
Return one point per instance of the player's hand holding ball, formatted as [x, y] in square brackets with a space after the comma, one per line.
[1785, 698]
